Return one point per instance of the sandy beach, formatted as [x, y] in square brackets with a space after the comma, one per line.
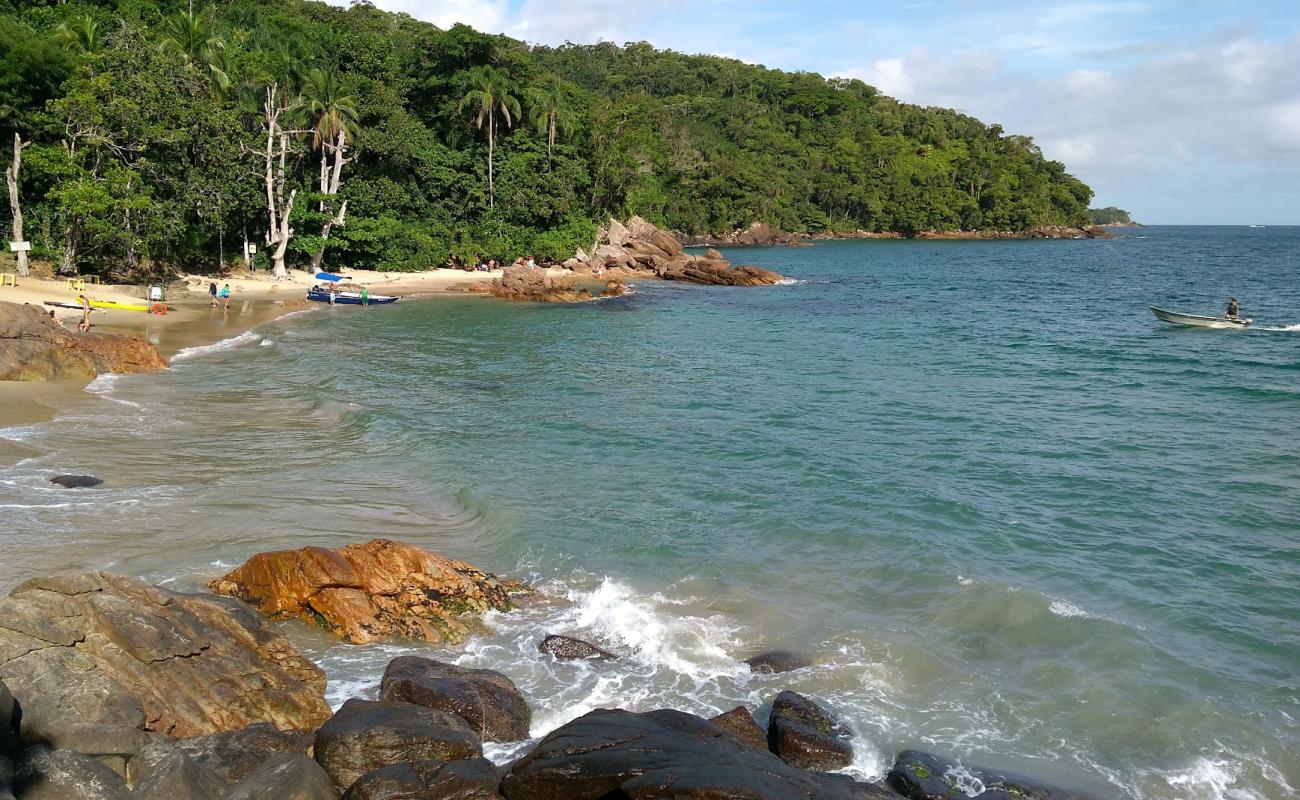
[255, 298]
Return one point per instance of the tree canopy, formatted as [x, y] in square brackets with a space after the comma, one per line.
[1110, 215]
[150, 148]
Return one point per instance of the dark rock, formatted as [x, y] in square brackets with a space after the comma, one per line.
[740, 723]
[229, 755]
[659, 754]
[44, 774]
[776, 661]
[567, 647]
[105, 657]
[34, 347]
[468, 779]
[923, 776]
[76, 481]
[804, 735]
[286, 777]
[177, 777]
[366, 735]
[487, 700]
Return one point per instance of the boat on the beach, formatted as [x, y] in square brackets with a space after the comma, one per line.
[349, 298]
[1198, 320]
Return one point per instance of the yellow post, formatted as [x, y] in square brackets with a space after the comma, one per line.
[8, 277]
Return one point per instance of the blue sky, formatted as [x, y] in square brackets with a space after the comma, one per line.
[1181, 111]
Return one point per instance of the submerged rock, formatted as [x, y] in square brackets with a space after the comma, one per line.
[76, 481]
[365, 735]
[805, 735]
[924, 776]
[659, 754]
[774, 661]
[96, 659]
[468, 779]
[568, 648]
[34, 347]
[368, 592]
[488, 701]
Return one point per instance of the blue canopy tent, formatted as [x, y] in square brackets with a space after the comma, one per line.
[332, 278]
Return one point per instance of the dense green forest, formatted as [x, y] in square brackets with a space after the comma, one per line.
[1110, 215]
[159, 135]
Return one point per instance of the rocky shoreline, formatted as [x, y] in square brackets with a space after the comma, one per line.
[111, 688]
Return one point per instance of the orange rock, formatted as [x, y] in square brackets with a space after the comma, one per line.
[367, 592]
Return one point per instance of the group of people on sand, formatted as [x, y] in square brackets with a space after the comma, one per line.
[223, 295]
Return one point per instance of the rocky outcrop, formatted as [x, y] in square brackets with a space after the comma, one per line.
[368, 592]
[364, 736]
[740, 723]
[567, 648]
[34, 347]
[285, 777]
[488, 701]
[178, 777]
[923, 776]
[538, 286]
[45, 774]
[99, 663]
[468, 779]
[774, 661]
[659, 754]
[805, 735]
[1037, 232]
[228, 756]
[639, 248]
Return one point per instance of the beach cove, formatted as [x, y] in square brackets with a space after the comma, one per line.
[991, 539]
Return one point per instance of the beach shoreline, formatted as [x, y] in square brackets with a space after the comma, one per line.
[191, 321]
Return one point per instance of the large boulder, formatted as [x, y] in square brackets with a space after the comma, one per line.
[658, 754]
[923, 776]
[568, 648]
[95, 660]
[367, 592]
[34, 347]
[45, 774]
[467, 779]
[229, 755]
[538, 286]
[285, 776]
[365, 735]
[487, 700]
[740, 723]
[178, 777]
[805, 735]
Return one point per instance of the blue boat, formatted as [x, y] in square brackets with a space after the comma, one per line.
[349, 298]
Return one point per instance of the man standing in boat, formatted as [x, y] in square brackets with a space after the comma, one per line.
[1234, 310]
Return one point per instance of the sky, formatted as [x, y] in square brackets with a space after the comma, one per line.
[1180, 111]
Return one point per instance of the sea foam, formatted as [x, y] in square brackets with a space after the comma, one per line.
[224, 344]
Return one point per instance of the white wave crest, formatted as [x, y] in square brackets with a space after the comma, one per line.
[1280, 328]
[966, 781]
[790, 282]
[224, 344]
[1064, 608]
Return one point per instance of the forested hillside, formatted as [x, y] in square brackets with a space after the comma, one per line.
[157, 136]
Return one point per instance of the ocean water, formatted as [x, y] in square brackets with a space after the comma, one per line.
[1010, 515]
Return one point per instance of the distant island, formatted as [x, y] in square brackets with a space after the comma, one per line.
[150, 138]
[1112, 216]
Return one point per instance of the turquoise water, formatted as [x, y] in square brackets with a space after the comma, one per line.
[1011, 515]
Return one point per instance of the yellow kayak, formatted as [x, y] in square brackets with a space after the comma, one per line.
[117, 305]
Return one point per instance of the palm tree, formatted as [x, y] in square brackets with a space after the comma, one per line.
[547, 103]
[187, 36]
[488, 97]
[327, 109]
[81, 36]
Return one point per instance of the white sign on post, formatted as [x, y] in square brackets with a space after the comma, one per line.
[20, 247]
[252, 248]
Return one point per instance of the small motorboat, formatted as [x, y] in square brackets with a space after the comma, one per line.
[1198, 320]
[349, 298]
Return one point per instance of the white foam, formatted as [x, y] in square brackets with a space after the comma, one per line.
[962, 580]
[1282, 328]
[224, 344]
[1064, 608]
[266, 343]
[967, 783]
[1209, 778]
[790, 282]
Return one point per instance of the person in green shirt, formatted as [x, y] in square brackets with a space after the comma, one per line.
[365, 296]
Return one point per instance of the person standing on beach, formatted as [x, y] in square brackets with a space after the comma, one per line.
[212, 292]
[225, 297]
[365, 296]
[84, 325]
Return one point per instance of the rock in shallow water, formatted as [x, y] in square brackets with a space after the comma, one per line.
[659, 754]
[567, 647]
[487, 700]
[35, 348]
[368, 592]
[365, 735]
[76, 481]
[100, 656]
[924, 776]
[468, 779]
[805, 735]
[774, 661]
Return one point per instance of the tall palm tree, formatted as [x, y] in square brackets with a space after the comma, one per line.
[547, 104]
[327, 108]
[488, 97]
[187, 35]
[81, 34]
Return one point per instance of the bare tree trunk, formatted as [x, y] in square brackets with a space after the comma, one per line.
[492, 138]
[282, 235]
[248, 263]
[68, 265]
[550, 137]
[11, 177]
[331, 189]
[278, 210]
